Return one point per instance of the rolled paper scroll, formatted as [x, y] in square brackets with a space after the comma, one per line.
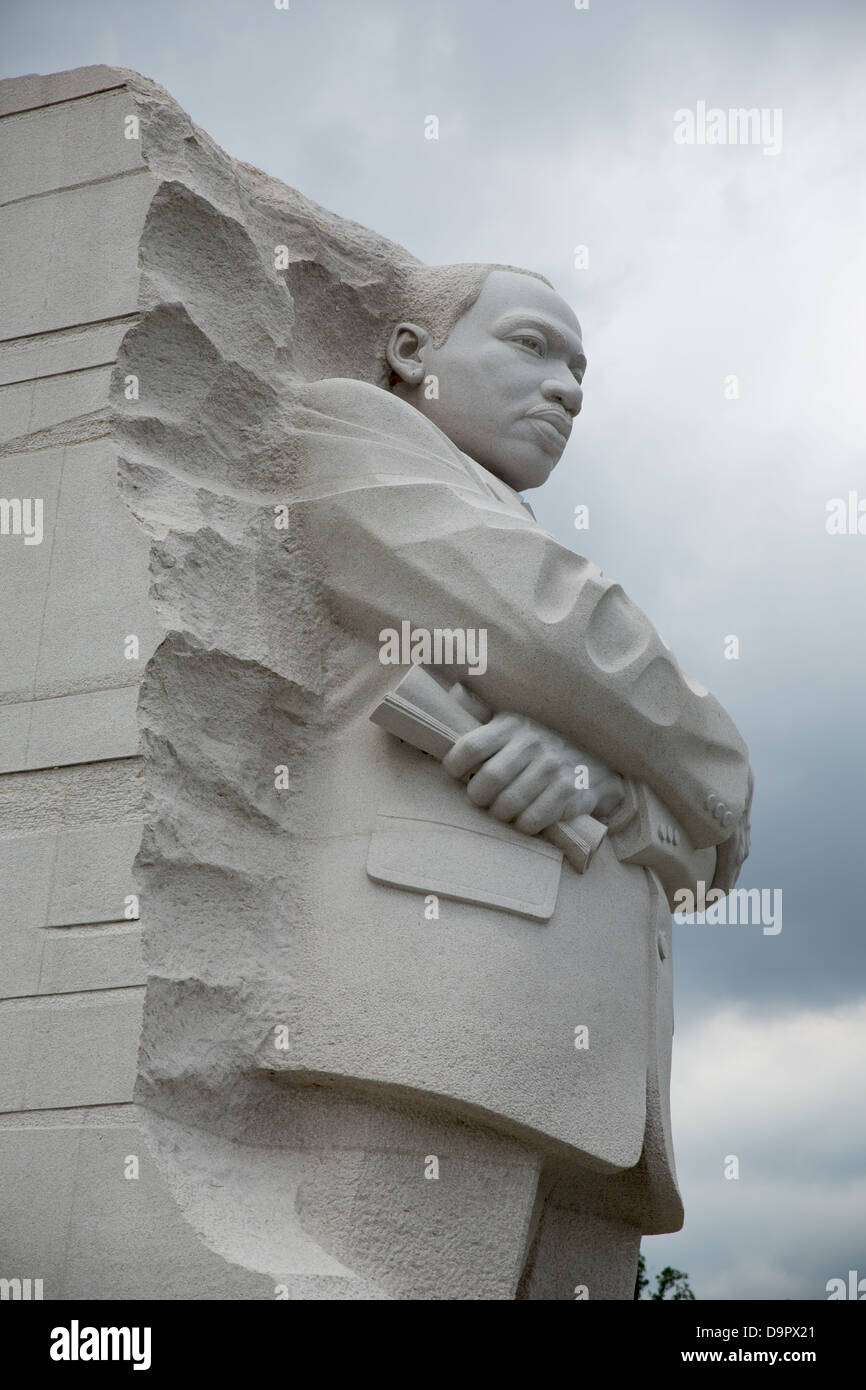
[424, 714]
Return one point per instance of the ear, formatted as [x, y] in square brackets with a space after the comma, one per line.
[404, 352]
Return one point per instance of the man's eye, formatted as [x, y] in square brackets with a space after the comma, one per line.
[536, 344]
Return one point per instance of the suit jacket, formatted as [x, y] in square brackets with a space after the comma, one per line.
[482, 1005]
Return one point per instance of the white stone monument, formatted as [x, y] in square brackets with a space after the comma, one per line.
[401, 1025]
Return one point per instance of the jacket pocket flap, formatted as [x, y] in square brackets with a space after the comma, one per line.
[517, 873]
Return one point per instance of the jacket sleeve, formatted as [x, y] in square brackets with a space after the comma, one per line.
[565, 646]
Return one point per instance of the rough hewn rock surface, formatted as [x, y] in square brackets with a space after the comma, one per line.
[242, 674]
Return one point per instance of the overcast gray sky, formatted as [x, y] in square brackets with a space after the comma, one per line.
[705, 262]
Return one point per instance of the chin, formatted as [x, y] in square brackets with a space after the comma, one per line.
[528, 473]
[521, 471]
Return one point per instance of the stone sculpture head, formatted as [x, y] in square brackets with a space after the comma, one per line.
[494, 357]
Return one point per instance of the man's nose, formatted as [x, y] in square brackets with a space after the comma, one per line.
[565, 390]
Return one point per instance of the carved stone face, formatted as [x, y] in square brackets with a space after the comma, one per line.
[508, 377]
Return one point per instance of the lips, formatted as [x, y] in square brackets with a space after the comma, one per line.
[558, 418]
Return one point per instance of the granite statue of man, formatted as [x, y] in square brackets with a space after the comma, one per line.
[472, 1095]
[401, 1025]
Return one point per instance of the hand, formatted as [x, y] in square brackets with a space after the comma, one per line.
[732, 855]
[524, 774]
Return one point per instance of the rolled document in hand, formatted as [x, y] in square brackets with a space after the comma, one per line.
[421, 712]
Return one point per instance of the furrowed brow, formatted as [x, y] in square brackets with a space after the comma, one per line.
[566, 345]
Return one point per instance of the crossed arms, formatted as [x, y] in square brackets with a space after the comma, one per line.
[409, 529]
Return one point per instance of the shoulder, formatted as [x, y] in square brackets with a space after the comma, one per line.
[371, 412]
[353, 428]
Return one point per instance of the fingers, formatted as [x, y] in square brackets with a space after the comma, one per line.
[512, 781]
[730, 856]
[479, 745]
[497, 783]
[523, 775]
[554, 803]
[609, 795]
